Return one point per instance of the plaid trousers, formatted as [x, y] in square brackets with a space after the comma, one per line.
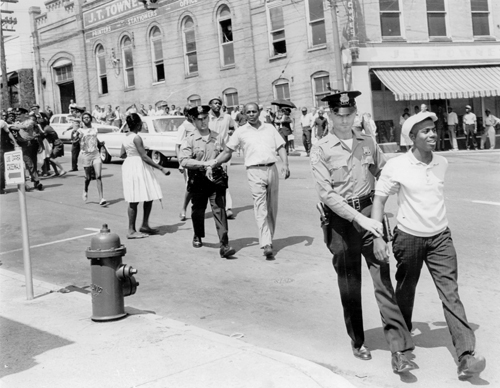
[440, 256]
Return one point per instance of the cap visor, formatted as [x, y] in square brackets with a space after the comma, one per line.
[345, 110]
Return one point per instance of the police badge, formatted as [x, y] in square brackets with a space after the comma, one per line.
[344, 99]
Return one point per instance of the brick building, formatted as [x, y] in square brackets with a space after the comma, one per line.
[117, 52]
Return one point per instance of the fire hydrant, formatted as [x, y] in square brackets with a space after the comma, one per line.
[111, 280]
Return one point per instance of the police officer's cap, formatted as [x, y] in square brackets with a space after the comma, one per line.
[215, 99]
[198, 110]
[21, 111]
[78, 108]
[414, 120]
[343, 102]
[35, 106]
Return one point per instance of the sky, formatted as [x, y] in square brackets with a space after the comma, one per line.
[21, 9]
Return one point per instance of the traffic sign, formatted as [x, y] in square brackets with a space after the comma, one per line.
[14, 167]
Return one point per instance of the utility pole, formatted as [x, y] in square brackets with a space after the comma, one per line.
[339, 68]
[5, 81]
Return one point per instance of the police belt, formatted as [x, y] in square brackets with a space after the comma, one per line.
[359, 203]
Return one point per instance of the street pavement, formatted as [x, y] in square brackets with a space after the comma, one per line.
[290, 305]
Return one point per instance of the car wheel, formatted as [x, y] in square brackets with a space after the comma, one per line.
[158, 157]
[105, 156]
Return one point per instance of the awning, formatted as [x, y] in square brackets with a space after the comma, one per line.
[441, 82]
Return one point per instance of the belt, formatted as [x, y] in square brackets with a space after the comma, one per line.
[359, 203]
[262, 165]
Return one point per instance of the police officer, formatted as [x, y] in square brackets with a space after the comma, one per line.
[345, 164]
[200, 146]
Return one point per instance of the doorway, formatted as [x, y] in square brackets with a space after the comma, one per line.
[67, 93]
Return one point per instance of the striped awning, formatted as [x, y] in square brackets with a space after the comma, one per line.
[442, 82]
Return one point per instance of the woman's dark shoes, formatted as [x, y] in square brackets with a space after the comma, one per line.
[197, 242]
[470, 365]
[363, 353]
[401, 364]
[226, 251]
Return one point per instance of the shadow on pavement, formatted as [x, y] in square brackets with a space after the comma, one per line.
[21, 344]
[164, 229]
[236, 211]
[281, 243]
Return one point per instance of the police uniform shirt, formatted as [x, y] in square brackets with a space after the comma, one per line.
[195, 149]
[342, 173]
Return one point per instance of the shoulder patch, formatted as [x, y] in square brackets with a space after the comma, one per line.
[367, 151]
[316, 155]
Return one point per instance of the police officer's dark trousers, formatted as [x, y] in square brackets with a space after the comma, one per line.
[203, 191]
[348, 241]
[30, 157]
[75, 152]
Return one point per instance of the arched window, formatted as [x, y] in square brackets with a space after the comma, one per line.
[194, 99]
[190, 55]
[231, 99]
[102, 77]
[225, 36]
[128, 62]
[321, 87]
[157, 55]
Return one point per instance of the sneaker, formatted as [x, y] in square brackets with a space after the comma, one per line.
[103, 202]
[229, 214]
[62, 173]
[469, 366]
[85, 195]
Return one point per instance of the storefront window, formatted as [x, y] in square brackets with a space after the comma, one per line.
[480, 18]
[390, 16]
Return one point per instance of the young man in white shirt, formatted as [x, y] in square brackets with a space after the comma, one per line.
[422, 234]
[470, 127]
[452, 121]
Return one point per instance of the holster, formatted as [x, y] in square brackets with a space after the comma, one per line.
[325, 214]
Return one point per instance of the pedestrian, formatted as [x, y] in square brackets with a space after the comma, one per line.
[8, 143]
[422, 235]
[199, 147]
[161, 108]
[49, 112]
[320, 125]
[118, 121]
[441, 129]
[55, 146]
[369, 126]
[345, 164]
[76, 114]
[96, 113]
[151, 111]
[470, 127]
[489, 122]
[452, 122]
[72, 104]
[306, 121]
[221, 123]
[110, 115]
[285, 126]
[184, 130]
[143, 111]
[28, 139]
[139, 180]
[91, 159]
[260, 143]
[240, 119]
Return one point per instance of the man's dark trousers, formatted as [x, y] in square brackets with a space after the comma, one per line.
[470, 136]
[306, 138]
[75, 152]
[347, 243]
[203, 193]
[440, 256]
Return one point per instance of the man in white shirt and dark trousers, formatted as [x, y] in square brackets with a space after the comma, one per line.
[306, 121]
[470, 127]
[452, 122]
[422, 234]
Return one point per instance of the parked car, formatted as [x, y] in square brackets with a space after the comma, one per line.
[159, 134]
[61, 122]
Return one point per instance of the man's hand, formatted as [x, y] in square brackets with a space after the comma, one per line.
[381, 250]
[373, 226]
[209, 173]
[285, 172]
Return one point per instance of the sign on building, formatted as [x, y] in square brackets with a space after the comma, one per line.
[14, 167]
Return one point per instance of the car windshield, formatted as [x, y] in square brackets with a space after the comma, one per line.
[167, 124]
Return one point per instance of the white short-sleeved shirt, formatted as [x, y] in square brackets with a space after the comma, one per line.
[184, 129]
[452, 118]
[420, 190]
[259, 144]
[221, 125]
[469, 118]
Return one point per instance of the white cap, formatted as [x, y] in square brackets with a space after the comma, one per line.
[412, 120]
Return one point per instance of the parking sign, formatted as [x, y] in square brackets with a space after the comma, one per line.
[14, 167]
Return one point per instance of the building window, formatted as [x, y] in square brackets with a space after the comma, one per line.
[316, 20]
[191, 57]
[321, 87]
[64, 73]
[128, 62]
[390, 18]
[194, 99]
[282, 90]
[480, 18]
[231, 99]
[226, 36]
[276, 25]
[157, 55]
[102, 76]
[436, 18]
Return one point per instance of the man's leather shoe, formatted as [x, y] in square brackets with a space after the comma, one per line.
[400, 363]
[469, 366]
[268, 252]
[197, 242]
[226, 251]
[362, 353]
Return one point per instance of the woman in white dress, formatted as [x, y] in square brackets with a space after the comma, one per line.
[139, 181]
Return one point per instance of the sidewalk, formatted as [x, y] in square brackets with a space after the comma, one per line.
[50, 341]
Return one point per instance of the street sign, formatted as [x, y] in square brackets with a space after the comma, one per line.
[14, 168]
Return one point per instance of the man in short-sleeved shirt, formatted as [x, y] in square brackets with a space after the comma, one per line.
[260, 142]
[422, 234]
[470, 127]
[452, 122]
